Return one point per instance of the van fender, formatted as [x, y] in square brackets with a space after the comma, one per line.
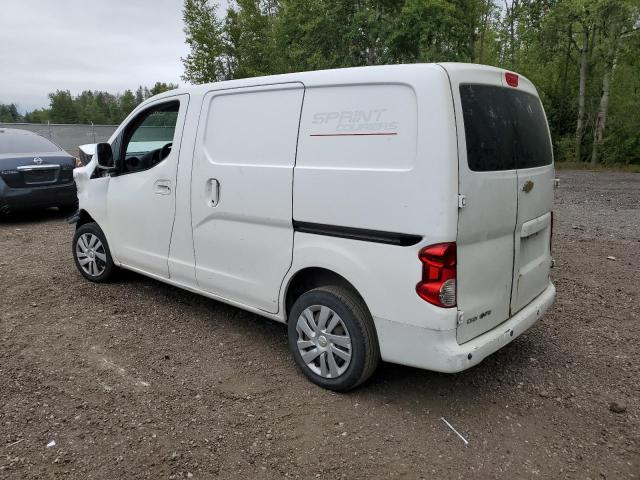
[92, 199]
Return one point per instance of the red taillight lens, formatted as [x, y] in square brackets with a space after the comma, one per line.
[511, 78]
[438, 284]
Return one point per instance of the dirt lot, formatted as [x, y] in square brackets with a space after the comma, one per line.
[141, 380]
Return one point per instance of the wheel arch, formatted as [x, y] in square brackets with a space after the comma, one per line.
[83, 218]
[309, 278]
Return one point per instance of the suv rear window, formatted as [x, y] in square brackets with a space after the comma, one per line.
[505, 129]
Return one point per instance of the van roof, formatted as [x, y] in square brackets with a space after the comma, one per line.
[332, 77]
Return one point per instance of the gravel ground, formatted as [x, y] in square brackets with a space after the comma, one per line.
[137, 379]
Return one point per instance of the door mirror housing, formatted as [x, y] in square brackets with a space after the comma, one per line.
[105, 156]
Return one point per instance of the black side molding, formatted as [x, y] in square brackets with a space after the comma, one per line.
[365, 235]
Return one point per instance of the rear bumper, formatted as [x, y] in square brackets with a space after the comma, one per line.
[438, 350]
[35, 197]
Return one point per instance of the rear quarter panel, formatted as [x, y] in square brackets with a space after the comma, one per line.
[403, 183]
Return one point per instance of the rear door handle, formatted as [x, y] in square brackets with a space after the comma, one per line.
[162, 187]
[213, 192]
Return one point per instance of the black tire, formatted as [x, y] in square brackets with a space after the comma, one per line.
[106, 269]
[365, 352]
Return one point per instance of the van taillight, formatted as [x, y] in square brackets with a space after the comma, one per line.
[438, 284]
[511, 78]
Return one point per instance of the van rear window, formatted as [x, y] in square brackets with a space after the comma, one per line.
[505, 129]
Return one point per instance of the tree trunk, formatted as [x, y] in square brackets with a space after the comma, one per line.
[567, 59]
[584, 72]
[603, 109]
[510, 11]
[601, 120]
[561, 85]
[483, 30]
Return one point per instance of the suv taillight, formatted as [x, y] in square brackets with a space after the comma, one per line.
[438, 284]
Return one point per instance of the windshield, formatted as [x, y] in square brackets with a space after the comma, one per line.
[24, 143]
[505, 129]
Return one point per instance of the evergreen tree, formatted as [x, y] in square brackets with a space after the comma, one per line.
[93, 106]
[9, 113]
[62, 107]
[161, 87]
[127, 102]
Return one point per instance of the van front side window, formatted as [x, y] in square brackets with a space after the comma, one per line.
[149, 138]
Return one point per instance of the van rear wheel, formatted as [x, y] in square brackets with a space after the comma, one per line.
[332, 338]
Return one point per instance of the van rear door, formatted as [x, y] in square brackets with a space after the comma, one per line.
[532, 252]
[505, 177]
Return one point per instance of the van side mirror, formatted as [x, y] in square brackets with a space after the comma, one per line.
[105, 156]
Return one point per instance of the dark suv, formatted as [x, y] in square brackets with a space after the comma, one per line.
[34, 173]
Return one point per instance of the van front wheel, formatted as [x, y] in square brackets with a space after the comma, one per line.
[332, 338]
[91, 253]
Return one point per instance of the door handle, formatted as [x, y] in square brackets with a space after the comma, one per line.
[213, 192]
[162, 187]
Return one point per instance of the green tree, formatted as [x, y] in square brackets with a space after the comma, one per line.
[206, 62]
[140, 95]
[248, 40]
[62, 107]
[9, 113]
[566, 47]
[95, 107]
[581, 54]
[329, 34]
[617, 25]
[435, 30]
[37, 116]
[127, 102]
[308, 36]
[161, 87]
[622, 142]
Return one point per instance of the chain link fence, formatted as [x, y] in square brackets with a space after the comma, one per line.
[67, 136]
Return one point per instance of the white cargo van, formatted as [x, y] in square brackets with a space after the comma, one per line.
[400, 213]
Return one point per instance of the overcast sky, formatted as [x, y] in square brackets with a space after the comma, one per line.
[77, 45]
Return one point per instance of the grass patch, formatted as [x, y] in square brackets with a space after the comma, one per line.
[614, 167]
